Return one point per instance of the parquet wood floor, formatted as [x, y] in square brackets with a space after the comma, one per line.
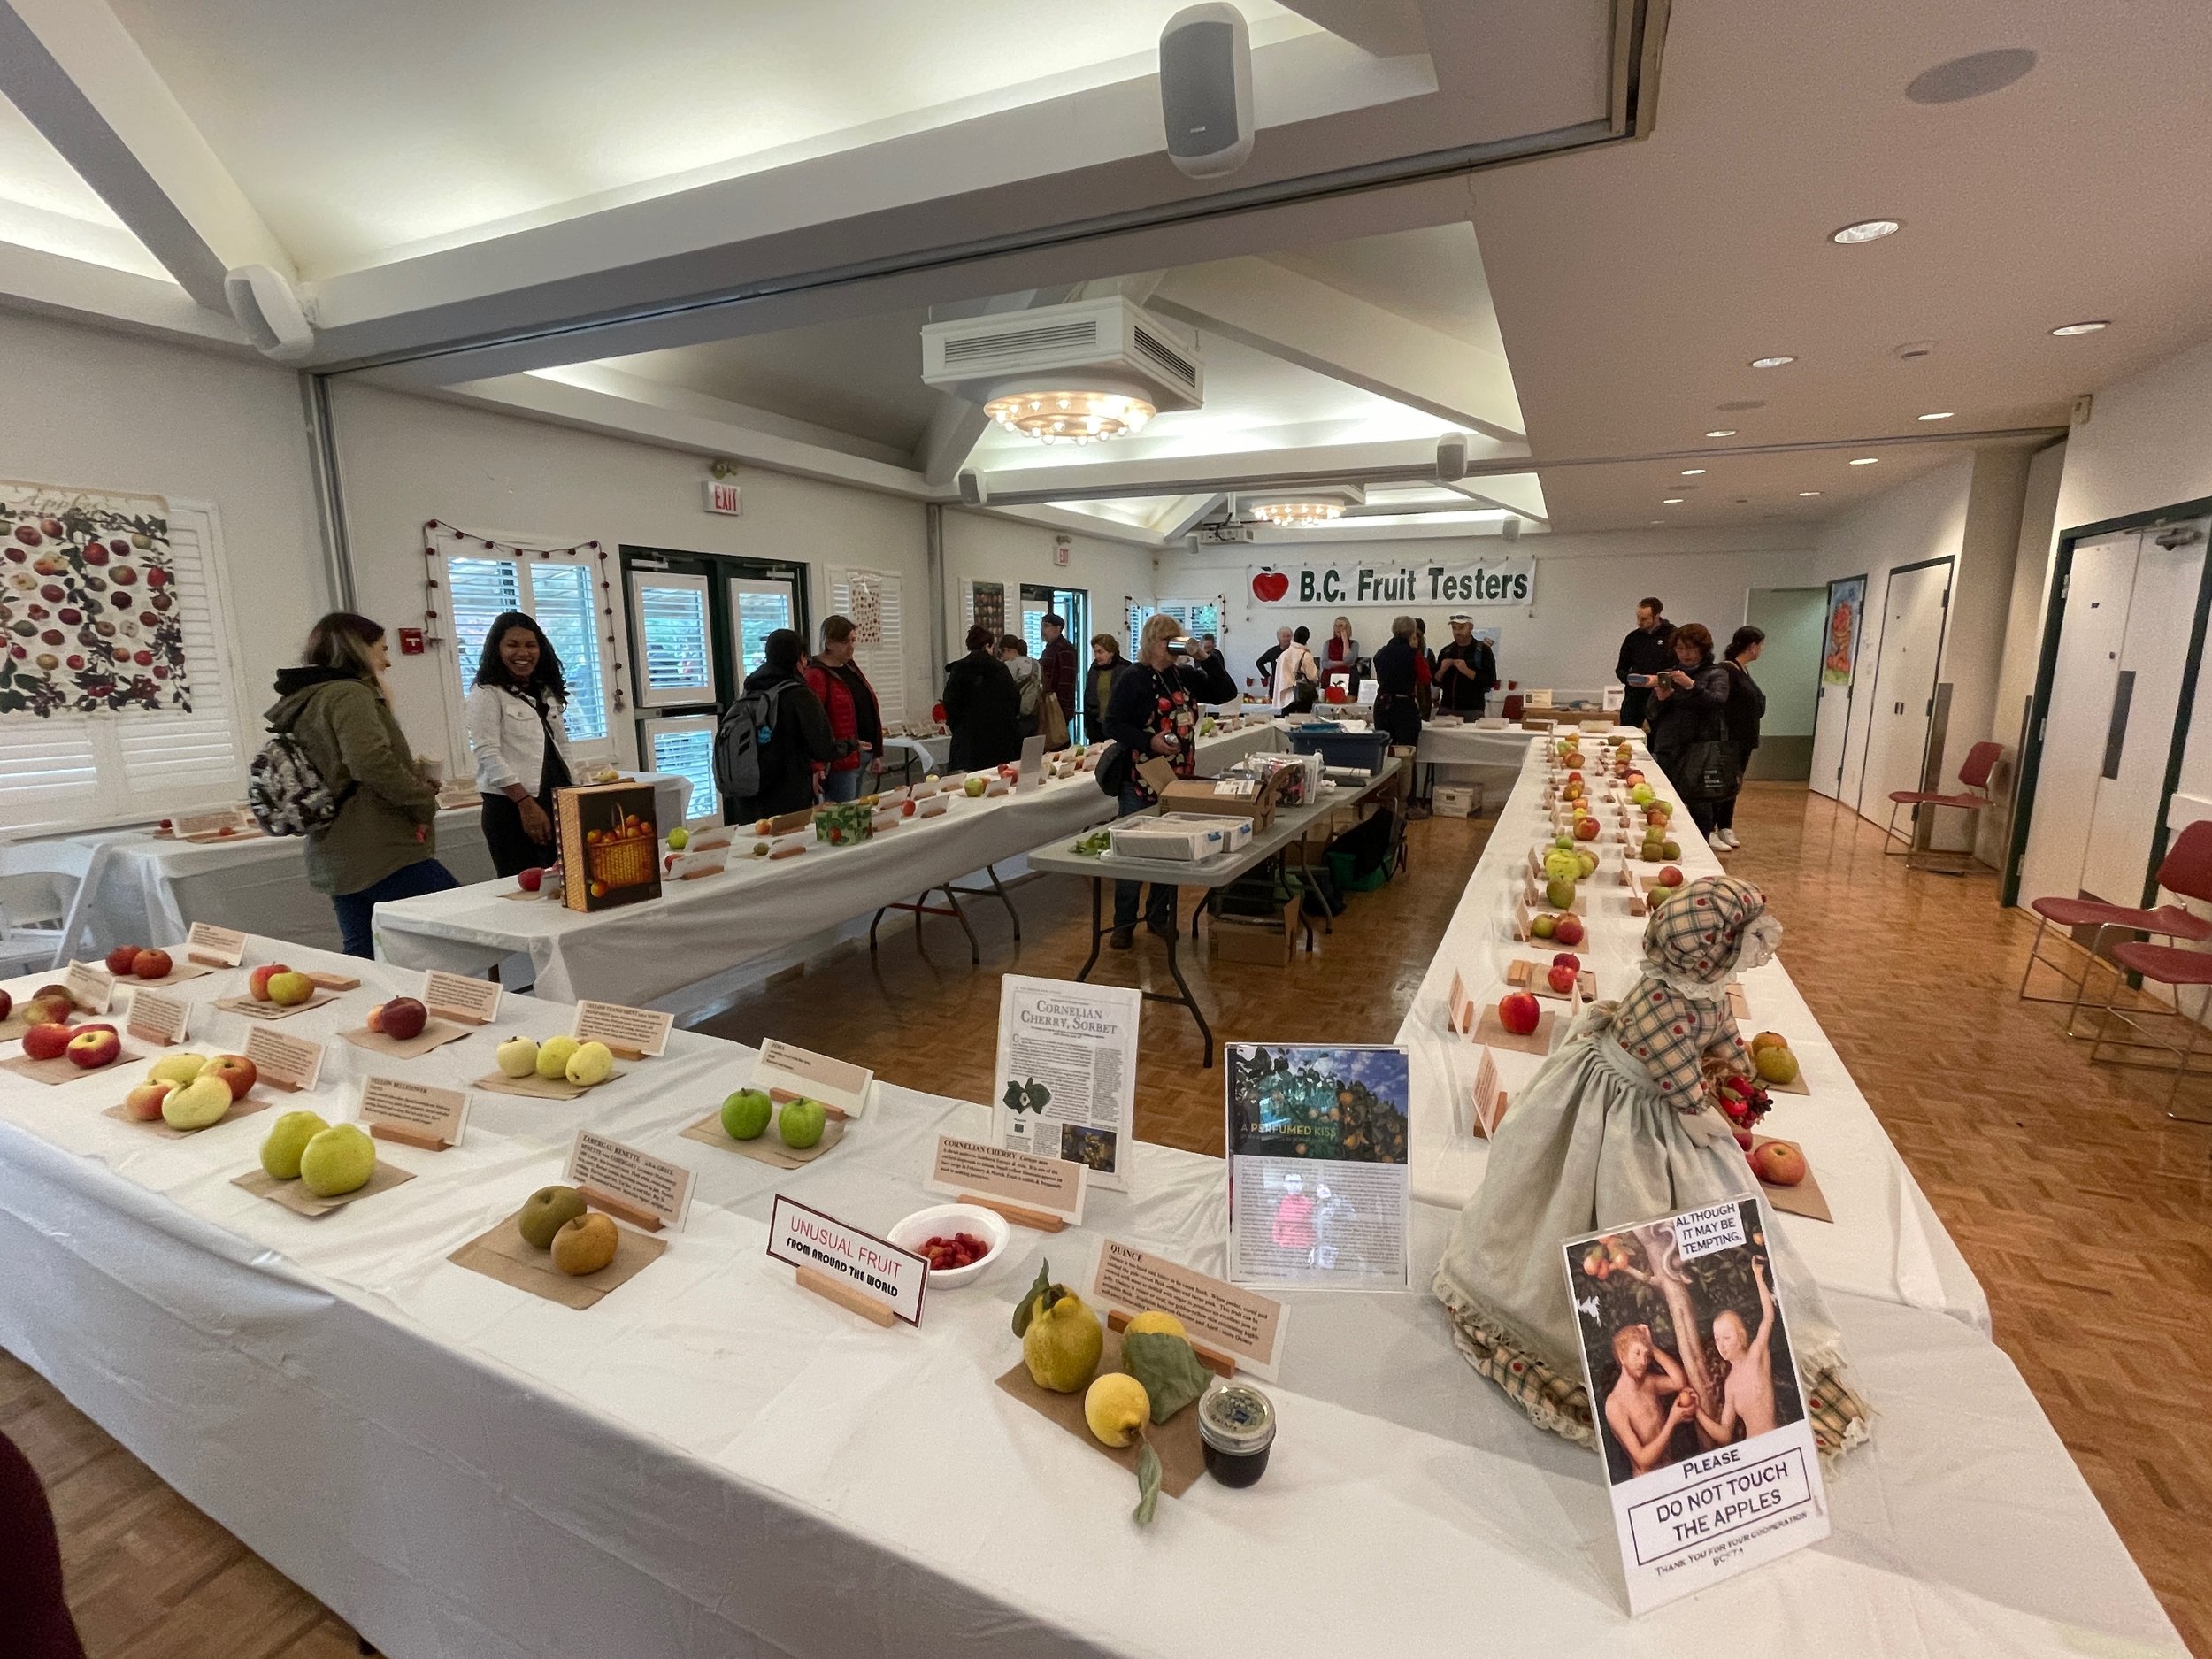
[2082, 1210]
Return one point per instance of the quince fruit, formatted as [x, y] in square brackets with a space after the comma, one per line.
[1116, 1409]
[1156, 1321]
[1775, 1065]
[1062, 1339]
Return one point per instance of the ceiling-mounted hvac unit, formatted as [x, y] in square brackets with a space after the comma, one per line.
[1089, 369]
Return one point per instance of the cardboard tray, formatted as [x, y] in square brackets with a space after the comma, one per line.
[1182, 1454]
[1524, 975]
[502, 1254]
[1489, 1030]
[294, 1197]
[244, 1003]
[1805, 1199]
[536, 1087]
[768, 1147]
[62, 1069]
[435, 1033]
[253, 1100]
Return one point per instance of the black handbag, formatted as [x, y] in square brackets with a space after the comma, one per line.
[1708, 771]
[1113, 770]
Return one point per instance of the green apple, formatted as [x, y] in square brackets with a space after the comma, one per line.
[592, 1064]
[1565, 844]
[340, 1160]
[1545, 926]
[974, 786]
[545, 1212]
[1588, 862]
[518, 1057]
[678, 839]
[745, 1114]
[553, 1055]
[1559, 893]
[196, 1104]
[1670, 849]
[801, 1122]
[1641, 795]
[287, 1138]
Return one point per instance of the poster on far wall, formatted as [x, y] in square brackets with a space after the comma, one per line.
[1840, 650]
[88, 603]
[986, 606]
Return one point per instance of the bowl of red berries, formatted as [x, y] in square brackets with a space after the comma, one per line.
[959, 1241]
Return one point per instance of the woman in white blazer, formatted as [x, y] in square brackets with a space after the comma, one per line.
[519, 739]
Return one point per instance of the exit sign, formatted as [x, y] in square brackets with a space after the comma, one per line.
[723, 497]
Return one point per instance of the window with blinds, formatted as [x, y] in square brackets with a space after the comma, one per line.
[872, 599]
[684, 744]
[558, 592]
[81, 769]
[1194, 616]
[675, 645]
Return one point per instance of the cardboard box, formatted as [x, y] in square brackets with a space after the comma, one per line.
[610, 845]
[1255, 939]
[1455, 800]
[1251, 798]
[1179, 836]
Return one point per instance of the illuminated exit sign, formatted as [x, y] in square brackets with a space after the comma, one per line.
[723, 497]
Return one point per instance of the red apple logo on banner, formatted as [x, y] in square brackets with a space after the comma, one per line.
[1270, 586]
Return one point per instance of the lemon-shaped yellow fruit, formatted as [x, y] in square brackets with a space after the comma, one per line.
[1775, 1065]
[1062, 1346]
[1165, 1323]
[1117, 1407]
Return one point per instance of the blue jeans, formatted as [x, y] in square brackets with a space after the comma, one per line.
[355, 909]
[845, 786]
[1159, 906]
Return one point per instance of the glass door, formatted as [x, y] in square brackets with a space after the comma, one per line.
[1072, 606]
[759, 606]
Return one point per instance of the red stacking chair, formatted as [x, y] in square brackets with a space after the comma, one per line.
[1981, 760]
[2187, 869]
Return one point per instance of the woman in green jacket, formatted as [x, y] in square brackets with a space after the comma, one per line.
[382, 843]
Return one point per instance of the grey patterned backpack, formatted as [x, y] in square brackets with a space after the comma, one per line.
[286, 791]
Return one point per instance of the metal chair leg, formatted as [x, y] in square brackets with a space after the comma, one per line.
[2081, 987]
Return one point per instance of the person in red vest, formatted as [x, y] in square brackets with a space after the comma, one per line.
[855, 719]
[1059, 664]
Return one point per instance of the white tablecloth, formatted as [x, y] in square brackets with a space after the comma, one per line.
[698, 929]
[1885, 1242]
[137, 889]
[712, 1463]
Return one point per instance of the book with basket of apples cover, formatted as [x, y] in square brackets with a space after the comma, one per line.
[610, 845]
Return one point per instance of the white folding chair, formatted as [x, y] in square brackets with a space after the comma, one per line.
[33, 907]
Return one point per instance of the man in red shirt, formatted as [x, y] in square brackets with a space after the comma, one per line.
[856, 721]
[1059, 665]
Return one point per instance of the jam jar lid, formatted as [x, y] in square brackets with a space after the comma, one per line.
[1236, 1417]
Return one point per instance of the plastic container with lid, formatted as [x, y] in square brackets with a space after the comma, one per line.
[1236, 1426]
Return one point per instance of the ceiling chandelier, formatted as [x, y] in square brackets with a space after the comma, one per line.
[1298, 515]
[1070, 417]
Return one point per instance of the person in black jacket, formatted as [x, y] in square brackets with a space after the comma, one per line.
[1109, 668]
[982, 706]
[1266, 662]
[1746, 707]
[1155, 711]
[1689, 703]
[795, 737]
[1466, 671]
[1646, 653]
[1397, 680]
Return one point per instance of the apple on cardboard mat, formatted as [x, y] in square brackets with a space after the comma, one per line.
[151, 964]
[237, 1072]
[1778, 1163]
[46, 1041]
[144, 1101]
[402, 1019]
[92, 1047]
[1519, 1013]
[122, 959]
[258, 982]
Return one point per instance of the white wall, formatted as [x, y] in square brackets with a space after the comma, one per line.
[982, 547]
[117, 411]
[405, 460]
[1587, 589]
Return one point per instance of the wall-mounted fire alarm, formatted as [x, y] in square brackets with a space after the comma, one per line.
[410, 643]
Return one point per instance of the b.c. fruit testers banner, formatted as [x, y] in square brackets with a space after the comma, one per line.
[1502, 583]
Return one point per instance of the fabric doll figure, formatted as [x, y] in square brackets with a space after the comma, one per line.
[1619, 1127]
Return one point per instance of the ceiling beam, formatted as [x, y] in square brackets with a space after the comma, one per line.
[1409, 460]
[79, 77]
[1384, 28]
[1184, 515]
[1521, 494]
[78, 291]
[1307, 322]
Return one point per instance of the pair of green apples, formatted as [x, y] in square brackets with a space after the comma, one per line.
[745, 1117]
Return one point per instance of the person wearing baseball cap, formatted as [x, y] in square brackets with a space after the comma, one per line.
[1466, 671]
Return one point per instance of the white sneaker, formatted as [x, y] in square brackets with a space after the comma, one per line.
[1725, 839]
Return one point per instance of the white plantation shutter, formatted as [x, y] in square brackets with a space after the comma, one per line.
[853, 593]
[684, 744]
[675, 648]
[558, 591]
[77, 769]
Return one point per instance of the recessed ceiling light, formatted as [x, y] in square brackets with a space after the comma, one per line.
[1803, 493]
[1671, 501]
[2067, 331]
[1866, 460]
[1722, 431]
[1866, 230]
[1693, 471]
[1941, 414]
[1971, 76]
[1770, 363]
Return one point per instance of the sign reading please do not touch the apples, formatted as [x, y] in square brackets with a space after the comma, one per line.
[1395, 582]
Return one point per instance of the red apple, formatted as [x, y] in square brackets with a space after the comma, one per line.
[401, 1018]
[1585, 829]
[144, 1101]
[1561, 979]
[93, 1047]
[7, 1003]
[1568, 960]
[235, 1070]
[1518, 1012]
[530, 881]
[120, 958]
[54, 994]
[1670, 877]
[152, 964]
[46, 1041]
[1778, 1163]
[258, 982]
[1568, 930]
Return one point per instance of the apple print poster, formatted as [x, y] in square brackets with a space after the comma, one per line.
[89, 605]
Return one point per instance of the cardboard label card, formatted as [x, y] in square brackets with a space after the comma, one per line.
[1712, 1470]
[636, 1180]
[457, 997]
[422, 1114]
[215, 947]
[92, 988]
[858, 1264]
[637, 1030]
[288, 1062]
[157, 1016]
[1486, 1099]
[1462, 1013]
[1238, 1324]
[1033, 761]
[963, 1169]
[838, 1084]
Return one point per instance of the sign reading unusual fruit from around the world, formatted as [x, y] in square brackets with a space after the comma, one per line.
[1500, 583]
[859, 1262]
[636, 1180]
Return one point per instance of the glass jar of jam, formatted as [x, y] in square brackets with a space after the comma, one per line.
[1236, 1425]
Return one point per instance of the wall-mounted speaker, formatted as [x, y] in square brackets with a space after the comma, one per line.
[268, 309]
[1451, 457]
[973, 491]
[1206, 90]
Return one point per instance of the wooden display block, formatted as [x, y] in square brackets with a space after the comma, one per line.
[845, 1296]
[621, 1209]
[1524, 975]
[1020, 1215]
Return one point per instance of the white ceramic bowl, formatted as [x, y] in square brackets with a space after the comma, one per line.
[944, 1220]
